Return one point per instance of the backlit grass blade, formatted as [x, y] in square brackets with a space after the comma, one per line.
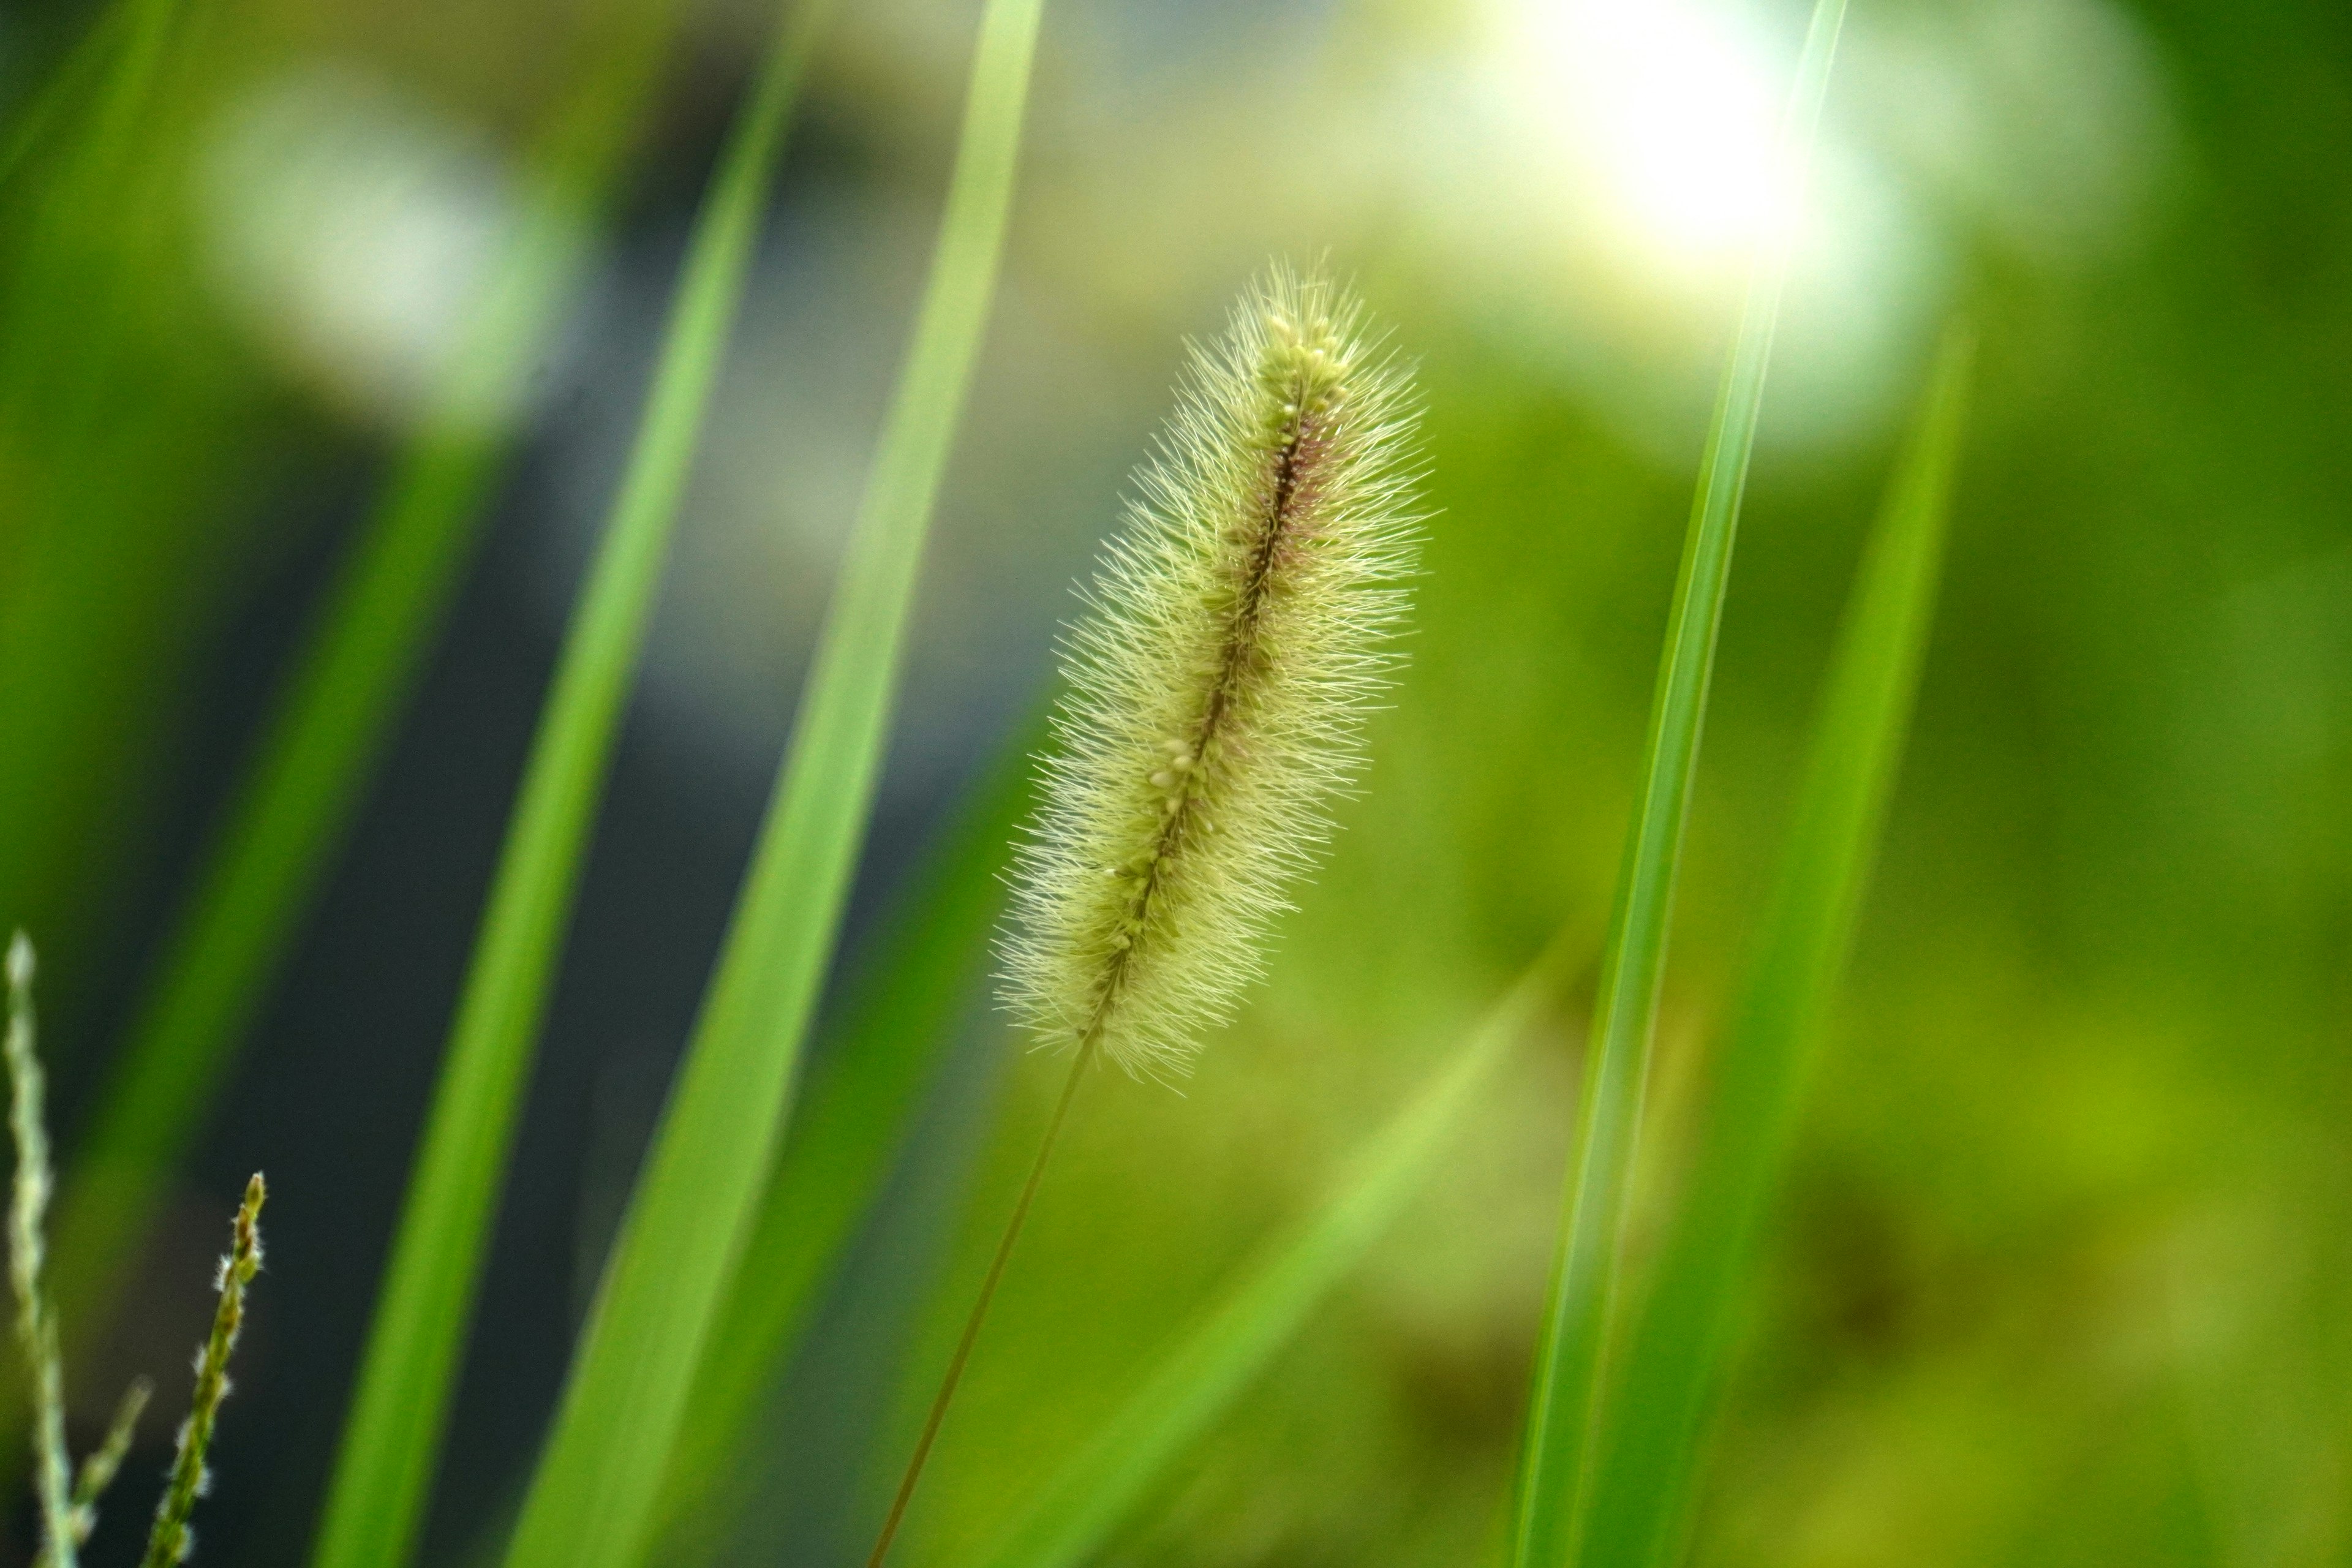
[1675, 1353]
[76, 238]
[844, 1136]
[1068, 1522]
[147, 29]
[37, 119]
[1555, 1456]
[591, 1504]
[378, 1493]
[337, 711]
[118, 61]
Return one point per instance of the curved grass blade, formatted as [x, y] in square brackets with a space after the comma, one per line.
[82, 594]
[1681, 1339]
[591, 1504]
[377, 1497]
[845, 1137]
[335, 715]
[1070, 1522]
[73, 248]
[120, 55]
[1557, 1445]
[37, 120]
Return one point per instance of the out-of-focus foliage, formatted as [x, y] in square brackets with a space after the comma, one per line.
[2059, 1274]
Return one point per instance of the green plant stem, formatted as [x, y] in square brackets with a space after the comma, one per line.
[1071, 1517]
[847, 1133]
[592, 1501]
[1555, 1455]
[376, 1499]
[1681, 1339]
[331, 722]
[1080, 1060]
[168, 1542]
[98, 1470]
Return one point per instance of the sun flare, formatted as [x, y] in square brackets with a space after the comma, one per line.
[1668, 110]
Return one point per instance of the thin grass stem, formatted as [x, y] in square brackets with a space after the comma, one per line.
[1079, 1061]
[1556, 1457]
[866, 1089]
[1072, 1517]
[1681, 1339]
[170, 1539]
[105, 1462]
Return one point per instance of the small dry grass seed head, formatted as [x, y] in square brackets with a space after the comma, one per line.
[1234, 638]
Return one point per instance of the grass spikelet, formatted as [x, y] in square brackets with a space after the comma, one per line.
[36, 1326]
[68, 1503]
[99, 1467]
[170, 1541]
[1219, 680]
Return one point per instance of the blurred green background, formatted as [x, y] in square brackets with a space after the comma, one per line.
[2062, 1272]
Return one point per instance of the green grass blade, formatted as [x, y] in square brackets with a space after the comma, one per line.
[1557, 1444]
[1679, 1342]
[331, 722]
[129, 42]
[147, 25]
[376, 1499]
[76, 235]
[1229, 1343]
[591, 1503]
[36, 121]
[845, 1137]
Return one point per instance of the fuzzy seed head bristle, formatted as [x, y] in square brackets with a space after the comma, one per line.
[1233, 640]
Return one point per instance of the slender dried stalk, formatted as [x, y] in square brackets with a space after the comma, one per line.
[170, 1541]
[99, 1468]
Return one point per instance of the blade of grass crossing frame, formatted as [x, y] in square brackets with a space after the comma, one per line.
[118, 56]
[335, 714]
[377, 1495]
[1556, 1447]
[843, 1139]
[1680, 1340]
[37, 119]
[147, 27]
[76, 230]
[84, 114]
[591, 1503]
[1230, 1344]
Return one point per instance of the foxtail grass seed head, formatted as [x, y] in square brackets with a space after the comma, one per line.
[169, 1541]
[1233, 640]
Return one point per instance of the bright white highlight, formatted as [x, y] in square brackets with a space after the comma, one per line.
[1668, 109]
[352, 229]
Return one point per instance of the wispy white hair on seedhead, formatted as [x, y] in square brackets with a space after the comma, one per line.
[1233, 641]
